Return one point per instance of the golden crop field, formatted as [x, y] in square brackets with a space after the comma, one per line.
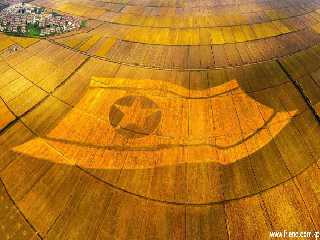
[163, 120]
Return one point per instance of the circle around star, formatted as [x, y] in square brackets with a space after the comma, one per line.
[134, 116]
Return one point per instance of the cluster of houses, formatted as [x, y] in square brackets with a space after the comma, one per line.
[21, 18]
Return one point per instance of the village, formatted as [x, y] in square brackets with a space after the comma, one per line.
[28, 20]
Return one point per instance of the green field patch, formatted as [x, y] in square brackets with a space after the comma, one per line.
[33, 30]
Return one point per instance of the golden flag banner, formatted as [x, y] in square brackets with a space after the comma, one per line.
[147, 124]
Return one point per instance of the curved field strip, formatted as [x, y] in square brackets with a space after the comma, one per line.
[200, 36]
[246, 6]
[202, 20]
[208, 18]
[204, 57]
[195, 57]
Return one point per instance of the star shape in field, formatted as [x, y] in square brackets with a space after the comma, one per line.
[139, 116]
